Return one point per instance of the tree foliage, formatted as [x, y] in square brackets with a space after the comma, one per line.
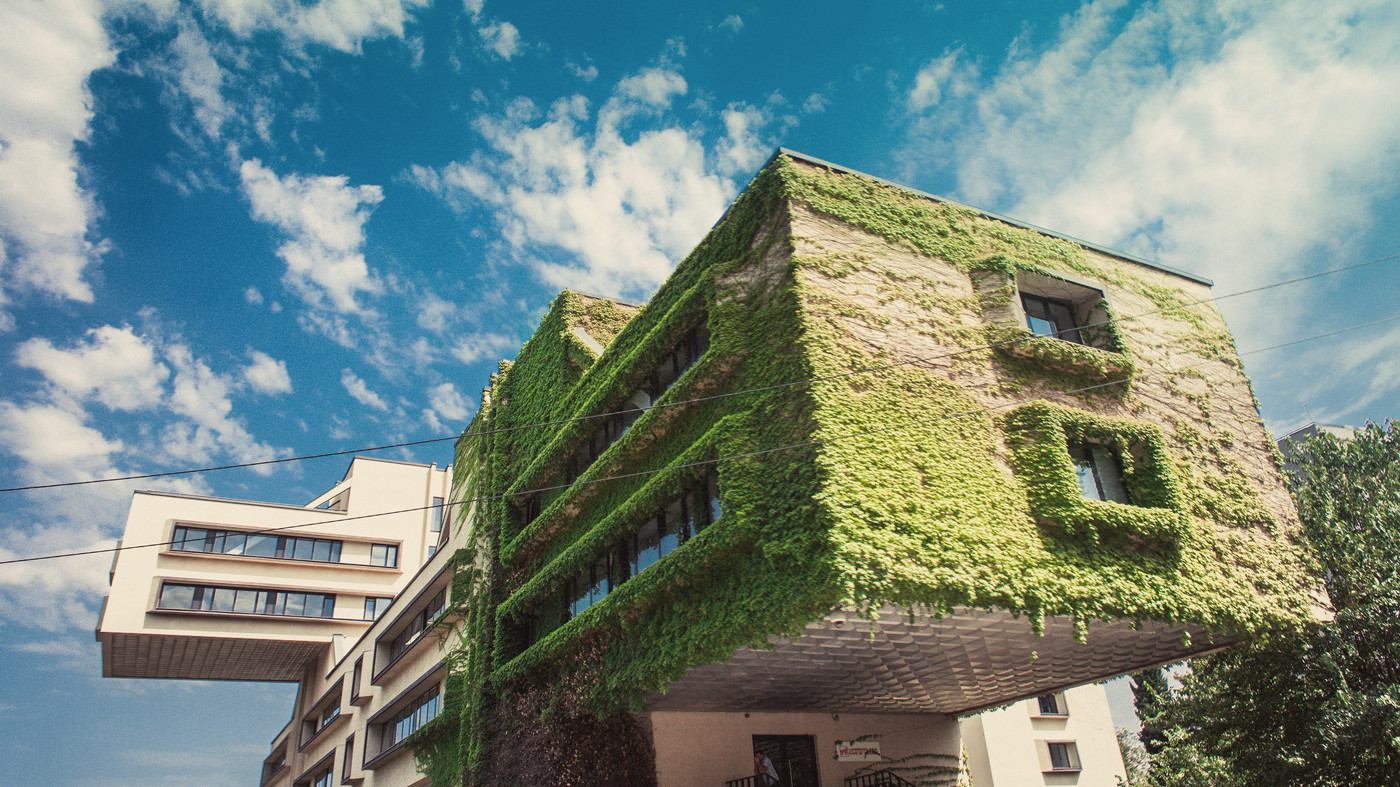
[1321, 706]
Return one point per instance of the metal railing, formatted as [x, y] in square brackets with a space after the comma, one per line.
[747, 781]
[877, 779]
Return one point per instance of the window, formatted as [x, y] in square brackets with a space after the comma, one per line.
[321, 778]
[348, 760]
[1060, 756]
[275, 763]
[384, 555]
[420, 711]
[1097, 471]
[418, 622]
[1048, 317]
[659, 535]
[356, 676]
[321, 715]
[1052, 705]
[237, 542]
[375, 606]
[246, 601]
[437, 517]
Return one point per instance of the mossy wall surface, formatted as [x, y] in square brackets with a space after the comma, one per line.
[815, 273]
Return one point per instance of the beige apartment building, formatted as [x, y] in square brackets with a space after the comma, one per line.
[333, 595]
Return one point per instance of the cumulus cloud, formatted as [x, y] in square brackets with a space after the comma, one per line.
[929, 84]
[741, 150]
[482, 346]
[323, 218]
[47, 52]
[339, 24]
[266, 374]
[502, 38]
[584, 204]
[111, 365]
[732, 24]
[361, 392]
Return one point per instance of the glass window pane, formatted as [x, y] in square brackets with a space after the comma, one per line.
[294, 604]
[335, 551]
[648, 545]
[246, 601]
[223, 599]
[322, 550]
[218, 542]
[234, 543]
[600, 581]
[178, 541]
[304, 547]
[670, 534]
[261, 546]
[1084, 471]
[328, 606]
[176, 597]
[1063, 317]
[1110, 479]
[392, 559]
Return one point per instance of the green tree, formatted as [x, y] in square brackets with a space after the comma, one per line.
[1321, 706]
[1149, 694]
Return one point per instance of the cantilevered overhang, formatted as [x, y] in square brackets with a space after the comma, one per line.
[962, 662]
[130, 655]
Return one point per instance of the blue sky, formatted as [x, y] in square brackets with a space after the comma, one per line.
[234, 230]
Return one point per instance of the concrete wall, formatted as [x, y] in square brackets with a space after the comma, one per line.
[708, 749]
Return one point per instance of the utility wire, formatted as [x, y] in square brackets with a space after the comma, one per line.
[686, 402]
[448, 505]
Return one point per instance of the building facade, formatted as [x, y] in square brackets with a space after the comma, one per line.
[867, 462]
[1065, 738]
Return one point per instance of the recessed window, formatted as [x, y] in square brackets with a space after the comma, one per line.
[384, 555]
[418, 622]
[1049, 317]
[1098, 472]
[1052, 705]
[237, 542]
[1062, 756]
[348, 760]
[420, 711]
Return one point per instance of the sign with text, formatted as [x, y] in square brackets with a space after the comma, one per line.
[858, 751]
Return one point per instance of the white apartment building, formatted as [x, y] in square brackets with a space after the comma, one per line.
[1056, 739]
[334, 595]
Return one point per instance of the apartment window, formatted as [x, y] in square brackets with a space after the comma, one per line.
[237, 542]
[1049, 317]
[275, 763]
[420, 711]
[375, 606]
[1098, 472]
[658, 536]
[1062, 756]
[320, 778]
[356, 676]
[384, 555]
[437, 517]
[246, 601]
[418, 622]
[348, 760]
[1052, 705]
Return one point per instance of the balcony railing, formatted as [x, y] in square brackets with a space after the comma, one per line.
[877, 779]
[747, 781]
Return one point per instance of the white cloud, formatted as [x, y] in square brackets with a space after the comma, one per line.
[202, 396]
[200, 78]
[434, 313]
[361, 392]
[502, 38]
[741, 151]
[587, 73]
[815, 103]
[112, 366]
[253, 296]
[54, 444]
[732, 23]
[324, 219]
[340, 24]
[932, 79]
[481, 346]
[47, 51]
[267, 374]
[580, 203]
[654, 86]
[449, 403]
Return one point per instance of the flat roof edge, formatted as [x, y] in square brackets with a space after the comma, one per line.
[991, 215]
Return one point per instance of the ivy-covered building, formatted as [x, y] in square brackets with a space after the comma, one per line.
[867, 461]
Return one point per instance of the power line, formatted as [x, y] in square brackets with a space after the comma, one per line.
[684, 402]
[700, 463]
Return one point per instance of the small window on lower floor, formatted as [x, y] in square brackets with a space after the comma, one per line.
[1098, 472]
[1061, 756]
[1052, 705]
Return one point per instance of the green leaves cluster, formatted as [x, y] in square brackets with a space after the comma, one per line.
[1321, 707]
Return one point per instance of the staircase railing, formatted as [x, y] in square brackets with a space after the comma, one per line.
[877, 779]
[747, 781]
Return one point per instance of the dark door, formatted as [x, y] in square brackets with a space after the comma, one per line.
[793, 756]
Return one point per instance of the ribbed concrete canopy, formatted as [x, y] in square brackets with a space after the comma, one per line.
[961, 662]
[206, 658]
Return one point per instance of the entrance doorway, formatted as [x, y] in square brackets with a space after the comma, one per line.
[794, 757]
